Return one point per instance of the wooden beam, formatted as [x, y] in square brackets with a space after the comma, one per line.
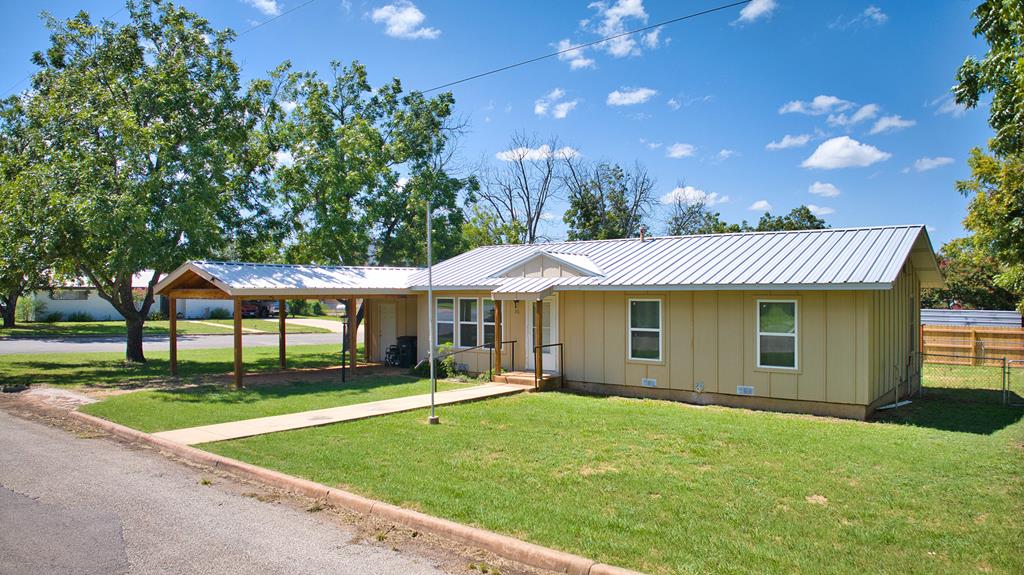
[498, 331]
[197, 294]
[350, 311]
[172, 318]
[281, 313]
[538, 340]
[238, 343]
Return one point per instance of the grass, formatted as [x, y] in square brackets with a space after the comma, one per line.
[110, 370]
[669, 488]
[160, 410]
[152, 327]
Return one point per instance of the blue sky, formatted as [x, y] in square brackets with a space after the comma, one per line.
[861, 88]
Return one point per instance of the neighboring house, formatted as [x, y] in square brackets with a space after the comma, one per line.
[79, 297]
[816, 321]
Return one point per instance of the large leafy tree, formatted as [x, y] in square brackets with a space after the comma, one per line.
[800, 218]
[996, 186]
[357, 166]
[152, 153]
[606, 201]
[696, 217]
[970, 279]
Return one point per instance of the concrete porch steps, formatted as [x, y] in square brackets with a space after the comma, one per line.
[548, 381]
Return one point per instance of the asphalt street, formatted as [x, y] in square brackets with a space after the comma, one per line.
[72, 504]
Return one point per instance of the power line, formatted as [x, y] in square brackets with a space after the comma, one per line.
[281, 15]
[588, 44]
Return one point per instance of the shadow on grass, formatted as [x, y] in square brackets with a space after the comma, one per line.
[224, 395]
[979, 411]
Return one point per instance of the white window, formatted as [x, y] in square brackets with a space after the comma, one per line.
[645, 329]
[487, 316]
[444, 315]
[777, 333]
[468, 322]
[69, 294]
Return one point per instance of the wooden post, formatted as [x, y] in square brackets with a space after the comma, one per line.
[974, 347]
[538, 340]
[350, 310]
[281, 313]
[497, 336]
[172, 318]
[238, 343]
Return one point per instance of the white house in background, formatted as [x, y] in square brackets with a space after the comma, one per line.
[79, 297]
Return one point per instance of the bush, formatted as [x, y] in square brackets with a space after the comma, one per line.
[443, 368]
[316, 309]
[53, 317]
[28, 309]
[298, 307]
[158, 316]
[220, 313]
[80, 316]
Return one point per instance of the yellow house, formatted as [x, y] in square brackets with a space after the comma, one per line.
[814, 321]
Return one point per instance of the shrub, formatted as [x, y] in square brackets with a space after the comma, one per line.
[80, 316]
[53, 317]
[220, 313]
[316, 309]
[158, 316]
[298, 307]
[443, 368]
[28, 309]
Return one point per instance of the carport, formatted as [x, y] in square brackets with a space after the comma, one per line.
[239, 282]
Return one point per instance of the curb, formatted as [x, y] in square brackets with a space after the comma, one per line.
[502, 545]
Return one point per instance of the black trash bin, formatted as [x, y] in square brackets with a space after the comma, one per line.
[406, 351]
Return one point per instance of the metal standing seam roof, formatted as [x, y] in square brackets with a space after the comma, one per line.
[839, 258]
[237, 278]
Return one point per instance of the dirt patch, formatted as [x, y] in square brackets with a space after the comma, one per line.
[817, 500]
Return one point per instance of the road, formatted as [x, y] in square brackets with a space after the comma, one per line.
[71, 504]
[155, 343]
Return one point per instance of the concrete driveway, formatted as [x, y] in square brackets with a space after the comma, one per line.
[75, 504]
[156, 343]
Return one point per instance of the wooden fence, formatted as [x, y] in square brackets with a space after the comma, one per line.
[942, 341]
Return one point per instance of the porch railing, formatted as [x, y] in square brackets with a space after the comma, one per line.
[490, 353]
[561, 368]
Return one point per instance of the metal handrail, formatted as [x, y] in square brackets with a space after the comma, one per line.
[490, 354]
[561, 380]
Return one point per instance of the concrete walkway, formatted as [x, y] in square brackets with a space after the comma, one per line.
[274, 423]
[334, 326]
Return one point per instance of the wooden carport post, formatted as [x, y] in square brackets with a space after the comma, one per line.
[498, 337]
[538, 341]
[172, 318]
[350, 311]
[281, 313]
[238, 343]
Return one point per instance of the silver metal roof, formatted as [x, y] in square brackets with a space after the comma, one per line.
[841, 258]
[248, 279]
[971, 317]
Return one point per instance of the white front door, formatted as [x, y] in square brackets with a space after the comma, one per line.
[387, 329]
[549, 331]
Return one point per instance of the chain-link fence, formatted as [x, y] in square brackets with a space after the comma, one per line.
[967, 378]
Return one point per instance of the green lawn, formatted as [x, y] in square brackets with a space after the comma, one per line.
[152, 327]
[174, 409]
[669, 488]
[109, 369]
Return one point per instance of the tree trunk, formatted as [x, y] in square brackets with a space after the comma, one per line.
[133, 351]
[10, 308]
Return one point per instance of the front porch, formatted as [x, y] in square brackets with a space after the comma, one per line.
[547, 381]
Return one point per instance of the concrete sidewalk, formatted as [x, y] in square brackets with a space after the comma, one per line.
[274, 423]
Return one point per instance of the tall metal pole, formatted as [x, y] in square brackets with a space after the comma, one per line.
[433, 419]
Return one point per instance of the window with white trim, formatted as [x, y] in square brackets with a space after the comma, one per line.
[444, 317]
[468, 331]
[487, 317]
[69, 294]
[777, 333]
[645, 329]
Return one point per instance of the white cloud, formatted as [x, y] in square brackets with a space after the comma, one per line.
[760, 206]
[789, 141]
[725, 153]
[820, 105]
[924, 164]
[823, 189]
[844, 152]
[871, 16]
[691, 195]
[650, 145]
[820, 210]
[532, 154]
[268, 7]
[678, 150]
[562, 109]
[630, 96]
[283, 158]
[891, 123]
[865, 112]
[673, 103]
[754, 10]
[552, 102]
[576, 58]
[651, 39]
[947, 105]
[874, 14]
[288, 106]
[402, 19]
[612, 19]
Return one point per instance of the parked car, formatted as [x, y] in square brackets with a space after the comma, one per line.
[258, 308]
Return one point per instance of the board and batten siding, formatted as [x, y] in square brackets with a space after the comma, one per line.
[895, 320]
[475, 361]
[405, 322]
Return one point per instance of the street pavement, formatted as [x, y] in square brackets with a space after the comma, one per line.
[156, 343]
[71, 504]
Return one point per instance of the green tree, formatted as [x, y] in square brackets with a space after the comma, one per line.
[797, 219]
[970, 279]
[357, 166]
[484, 228]
[691, 218]
[1000, 72]
[153, 155]
[605, 200]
